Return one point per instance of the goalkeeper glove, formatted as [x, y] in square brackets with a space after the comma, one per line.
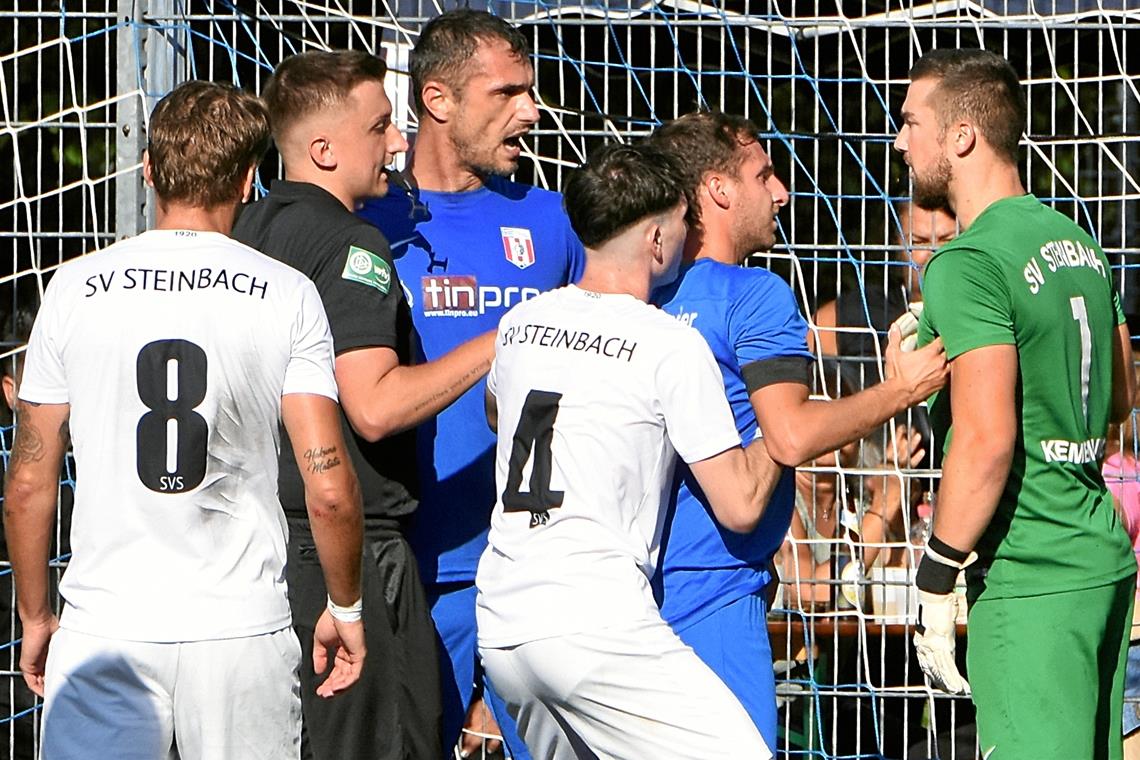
[935, 636]
[908, 326]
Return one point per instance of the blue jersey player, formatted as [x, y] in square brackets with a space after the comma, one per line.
[468, 245]
[710, 580]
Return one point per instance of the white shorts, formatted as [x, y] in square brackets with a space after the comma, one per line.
[627, 693]
[229, 699]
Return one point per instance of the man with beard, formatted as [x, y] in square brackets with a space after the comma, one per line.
[468, 245]
[712, 580]
[332, 124]
[1024, 302]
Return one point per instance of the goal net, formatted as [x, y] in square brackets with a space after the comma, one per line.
[825, 82]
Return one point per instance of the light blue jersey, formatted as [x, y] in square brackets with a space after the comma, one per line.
[751, 321]
[464, 259]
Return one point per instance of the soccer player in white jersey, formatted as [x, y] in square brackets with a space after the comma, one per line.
[172, 357]
[596, 394]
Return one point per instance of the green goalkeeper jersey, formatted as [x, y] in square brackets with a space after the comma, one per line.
[1024, 275]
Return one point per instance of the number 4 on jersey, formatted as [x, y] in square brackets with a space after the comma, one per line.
[534, 434]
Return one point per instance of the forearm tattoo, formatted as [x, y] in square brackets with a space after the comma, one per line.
[321, 459]
[466, 380]
[28, 447]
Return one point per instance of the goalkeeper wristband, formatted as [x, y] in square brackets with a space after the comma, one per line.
[350, 614]
[938, 571]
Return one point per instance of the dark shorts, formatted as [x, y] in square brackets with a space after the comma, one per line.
[393, 712]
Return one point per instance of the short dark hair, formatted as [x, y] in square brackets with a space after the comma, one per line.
[978, 85]
[318, 80]
[618, 186]
[703, 142]
[449, 41]
[203, 138]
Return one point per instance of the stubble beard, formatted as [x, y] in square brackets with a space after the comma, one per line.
[762, 244]
[932, 192]
[481, 163]
[760, 239]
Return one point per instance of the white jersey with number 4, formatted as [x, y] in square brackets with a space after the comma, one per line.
[596, 395]
[174, 349]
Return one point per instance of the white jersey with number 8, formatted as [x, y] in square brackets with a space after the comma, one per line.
[173, 350]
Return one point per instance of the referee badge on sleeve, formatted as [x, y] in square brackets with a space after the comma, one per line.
[367, 268]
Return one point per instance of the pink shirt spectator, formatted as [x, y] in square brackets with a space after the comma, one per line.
[1122, 476]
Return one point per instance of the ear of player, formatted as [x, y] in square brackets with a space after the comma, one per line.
[935, 638]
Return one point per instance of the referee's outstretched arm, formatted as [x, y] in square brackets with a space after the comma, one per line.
[382, 397]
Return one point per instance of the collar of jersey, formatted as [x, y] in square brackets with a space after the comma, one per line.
[291, 189]
[460, 197]
[584, 293]
[1028, 198]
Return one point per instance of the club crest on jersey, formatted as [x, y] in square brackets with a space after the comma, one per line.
[518, 246]
[367, 268]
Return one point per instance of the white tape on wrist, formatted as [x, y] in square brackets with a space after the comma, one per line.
[350, 614]
[970, 559]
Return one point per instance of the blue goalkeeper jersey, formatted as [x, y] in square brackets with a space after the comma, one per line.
[751, 321]
[464, 259]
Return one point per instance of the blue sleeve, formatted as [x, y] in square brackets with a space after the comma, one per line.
[576, 256]
[769, 335]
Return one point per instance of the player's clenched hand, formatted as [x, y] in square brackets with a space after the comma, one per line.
[935, 641]
[34, 651]
[347, 639]
[919, 373]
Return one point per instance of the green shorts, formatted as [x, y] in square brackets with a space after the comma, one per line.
[1047, 673]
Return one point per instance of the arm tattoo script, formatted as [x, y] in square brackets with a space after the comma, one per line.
[321, 459]
[463, 381]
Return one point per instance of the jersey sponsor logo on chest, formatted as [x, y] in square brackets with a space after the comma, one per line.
[518, 246]
[460, 295]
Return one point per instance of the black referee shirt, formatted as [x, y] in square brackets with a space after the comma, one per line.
[349, 260]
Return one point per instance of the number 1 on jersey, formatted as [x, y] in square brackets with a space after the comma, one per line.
[1082, 316]
[534, 434]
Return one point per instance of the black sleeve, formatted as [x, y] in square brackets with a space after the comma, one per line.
[361, 291]
[781, 369]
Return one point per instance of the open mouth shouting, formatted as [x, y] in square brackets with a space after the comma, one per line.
[513, 144]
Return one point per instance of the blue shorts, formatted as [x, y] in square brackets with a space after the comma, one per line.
[453, 611]
[1132, 690]
[733, 641]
